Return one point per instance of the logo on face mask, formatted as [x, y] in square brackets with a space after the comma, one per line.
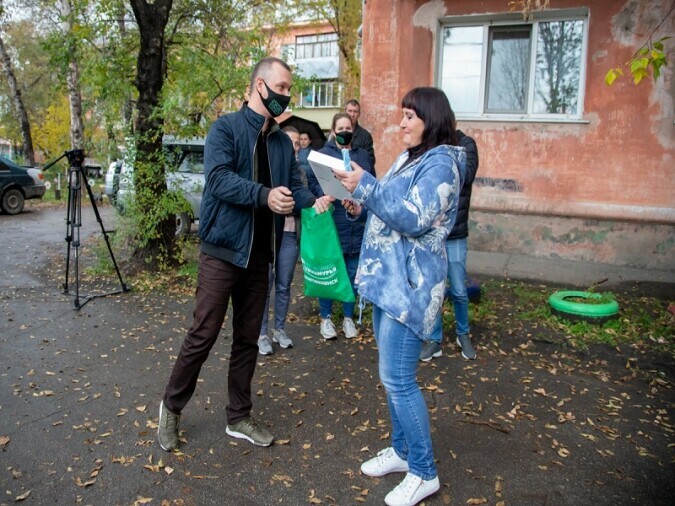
[344, 138]
[275, 103]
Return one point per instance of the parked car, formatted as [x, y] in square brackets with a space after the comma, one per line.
[185, 173]
[112, 181]
[18, 184]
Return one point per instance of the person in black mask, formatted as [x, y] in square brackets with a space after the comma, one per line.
[350, 230]
[252, 183]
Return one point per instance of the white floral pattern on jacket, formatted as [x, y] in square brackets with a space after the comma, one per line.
[403, 266]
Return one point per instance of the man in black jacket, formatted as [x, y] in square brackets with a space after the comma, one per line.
[252, 183]
[455, 247]
[361, 137]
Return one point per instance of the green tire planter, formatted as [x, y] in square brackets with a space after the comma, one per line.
[593, 312]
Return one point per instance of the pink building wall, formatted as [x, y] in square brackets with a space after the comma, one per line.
[599, 185]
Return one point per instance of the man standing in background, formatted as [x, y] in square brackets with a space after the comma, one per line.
[361, 137]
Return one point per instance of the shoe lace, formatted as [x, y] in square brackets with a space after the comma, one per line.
[170, 420]
[385, 455]
[410, 484]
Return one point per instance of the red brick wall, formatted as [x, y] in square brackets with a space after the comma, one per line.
[619, 165]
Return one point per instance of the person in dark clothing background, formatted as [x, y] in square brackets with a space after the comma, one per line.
[252, 183]
[362, 138]
[350, 230]
[456, 248]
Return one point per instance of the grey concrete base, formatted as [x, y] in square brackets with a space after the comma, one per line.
[574, 274]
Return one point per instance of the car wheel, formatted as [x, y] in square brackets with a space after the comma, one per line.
[12, 201]
[183, 224]
[585, 306]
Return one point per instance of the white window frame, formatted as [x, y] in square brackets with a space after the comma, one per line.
[336, 87]
[329, 39]
[494, 20]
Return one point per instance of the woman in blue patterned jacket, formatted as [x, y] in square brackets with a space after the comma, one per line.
[402, 271]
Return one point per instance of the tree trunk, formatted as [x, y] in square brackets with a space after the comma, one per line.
[346, 19]
[156, 228]
[128, 107]
[27, 138]
[72, 78]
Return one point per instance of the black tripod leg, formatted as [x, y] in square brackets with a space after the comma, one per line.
[125, 288]
[77, 224]
[70, 217]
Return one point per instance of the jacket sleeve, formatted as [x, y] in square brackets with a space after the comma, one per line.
[313, 184]
[220, 169]
[471, 149]
[302, 196]
[428, 198]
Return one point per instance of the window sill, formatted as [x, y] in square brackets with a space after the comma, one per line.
[517, 119]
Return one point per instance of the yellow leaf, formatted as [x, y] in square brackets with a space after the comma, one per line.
[563, 452]
[480, 500]
[22, 496]
[282, 441]
[4, 440]
[141, 409]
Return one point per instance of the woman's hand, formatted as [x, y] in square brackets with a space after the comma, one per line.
[350, 179]
[352, 207]
[322, 204]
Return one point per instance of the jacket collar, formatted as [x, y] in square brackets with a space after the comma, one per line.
[257, 120]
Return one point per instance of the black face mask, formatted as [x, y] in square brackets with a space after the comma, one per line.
[275, 103]
[344, 138]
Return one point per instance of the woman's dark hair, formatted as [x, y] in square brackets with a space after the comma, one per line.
[432, 106]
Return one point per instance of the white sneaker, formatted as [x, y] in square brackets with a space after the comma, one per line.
[265, 345]
[280, 336]
[411, 491]
[349, 328]
[328, 329]
[386, 461]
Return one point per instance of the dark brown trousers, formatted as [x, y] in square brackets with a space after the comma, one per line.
[218, 281]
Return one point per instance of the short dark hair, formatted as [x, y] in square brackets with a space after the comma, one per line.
[305, 132]
[264, 66]
[352, 101]
[432, 106]
[338, 116]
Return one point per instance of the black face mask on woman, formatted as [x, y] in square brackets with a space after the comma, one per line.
[275, 103]
[344, 138]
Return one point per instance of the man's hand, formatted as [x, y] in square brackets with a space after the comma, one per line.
[322, 204]
[280, 200]
[350, 179]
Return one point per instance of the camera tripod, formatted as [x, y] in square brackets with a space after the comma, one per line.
[76, 180]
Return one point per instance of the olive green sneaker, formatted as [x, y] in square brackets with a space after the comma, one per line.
[249, 430]
[167, 429]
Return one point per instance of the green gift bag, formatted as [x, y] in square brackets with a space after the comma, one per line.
[323, 265]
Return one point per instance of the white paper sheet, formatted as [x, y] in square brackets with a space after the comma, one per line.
[322, 166]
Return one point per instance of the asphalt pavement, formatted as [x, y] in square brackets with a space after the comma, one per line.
[527, 423]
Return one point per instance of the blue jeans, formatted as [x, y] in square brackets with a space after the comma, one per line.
[399, 352]
[326, 305]
[281, 279]
[456, 251]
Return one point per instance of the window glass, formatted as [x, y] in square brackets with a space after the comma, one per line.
[520, 69]
[508, 69]
[193, 163]
[558, 67]
[461, 67]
